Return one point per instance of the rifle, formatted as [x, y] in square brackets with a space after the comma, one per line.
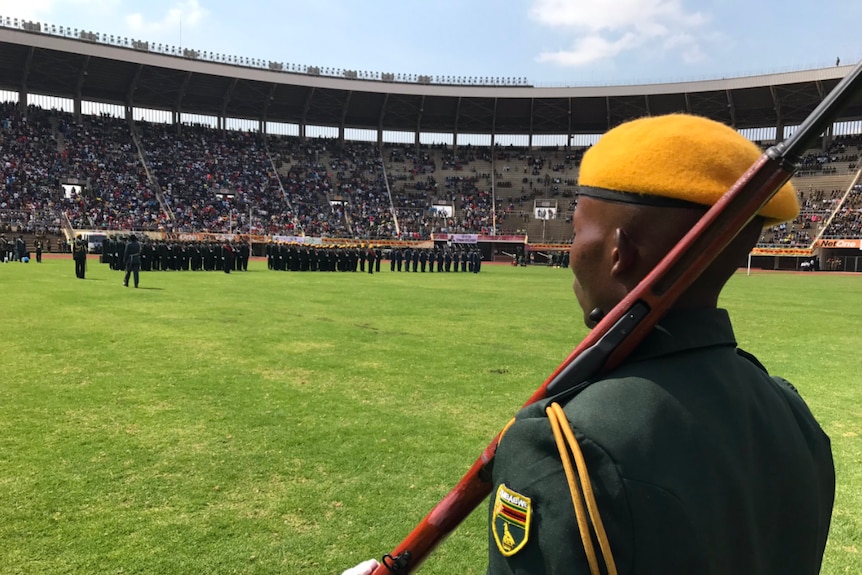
[625, 326]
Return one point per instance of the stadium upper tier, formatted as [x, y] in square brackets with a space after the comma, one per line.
[141, 176]
[84, 66]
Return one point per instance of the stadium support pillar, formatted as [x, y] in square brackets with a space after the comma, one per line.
[379, 137]
[128, 110]
[22, 101]
[341, 135]
[828, 136]
[76, 109]
[302, 131]
[494, 187]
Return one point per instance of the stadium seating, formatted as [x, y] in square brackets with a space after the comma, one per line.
[190, 178]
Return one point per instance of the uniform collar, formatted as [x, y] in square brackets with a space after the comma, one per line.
[684, 330]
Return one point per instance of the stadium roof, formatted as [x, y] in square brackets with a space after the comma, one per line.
[140, 76]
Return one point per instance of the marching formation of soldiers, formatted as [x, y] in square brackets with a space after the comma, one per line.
[312, 258]
[560, 259]
[180, 256]
[160, 255]
[444, 259]
[303, 257]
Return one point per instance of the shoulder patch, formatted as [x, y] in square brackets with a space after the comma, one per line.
[511, 521]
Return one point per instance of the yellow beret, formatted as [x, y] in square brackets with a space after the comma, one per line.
[676, 157]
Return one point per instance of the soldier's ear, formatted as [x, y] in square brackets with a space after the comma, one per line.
[624, 254]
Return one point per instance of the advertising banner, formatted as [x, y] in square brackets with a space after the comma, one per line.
[464, 238]
[545, 213]
[796, 252]
[442, 211]
[853, 244]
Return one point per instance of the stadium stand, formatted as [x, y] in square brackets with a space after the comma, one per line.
[30, 163]
[189, 178]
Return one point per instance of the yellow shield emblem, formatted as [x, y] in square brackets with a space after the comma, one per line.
[511, 520]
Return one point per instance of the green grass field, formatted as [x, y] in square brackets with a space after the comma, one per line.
[276, 422]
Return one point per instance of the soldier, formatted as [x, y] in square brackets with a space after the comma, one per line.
[79, 254]
[372, 256]
[316, 258]
[209, 257]
[690, 456]
[147, 251]
[196, 257]
[325, 256]
[184, 254]
[20, 248]
[227, 257]
[245, 255]
[132, 260]
[37, 245]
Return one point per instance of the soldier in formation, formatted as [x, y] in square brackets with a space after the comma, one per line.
[171, 255]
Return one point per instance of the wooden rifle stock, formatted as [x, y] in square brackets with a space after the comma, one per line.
[625, 326]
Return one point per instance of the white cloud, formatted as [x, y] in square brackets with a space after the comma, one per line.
[187, 14]
[603, 29]
[590, 49]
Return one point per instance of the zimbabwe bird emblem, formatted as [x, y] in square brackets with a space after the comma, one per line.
[511, 520]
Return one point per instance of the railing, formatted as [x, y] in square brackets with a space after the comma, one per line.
[191, 54]
[160, 196]
[825, 226]
[281, 188]
[389, 193]
[68, 228]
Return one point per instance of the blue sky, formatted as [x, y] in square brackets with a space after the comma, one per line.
[549, 42]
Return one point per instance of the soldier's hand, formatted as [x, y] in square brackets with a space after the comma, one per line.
[364, 568]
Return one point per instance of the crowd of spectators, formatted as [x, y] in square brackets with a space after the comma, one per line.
[838, 158]
[197, 179]
[847, 220]
[211, 180]
[30, 167]
[100, 151]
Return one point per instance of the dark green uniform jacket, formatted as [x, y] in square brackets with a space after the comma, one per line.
[700, 461]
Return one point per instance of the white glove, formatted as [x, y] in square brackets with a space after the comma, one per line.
[364, 568]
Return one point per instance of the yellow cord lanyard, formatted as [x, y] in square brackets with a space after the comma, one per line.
[581, 491]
